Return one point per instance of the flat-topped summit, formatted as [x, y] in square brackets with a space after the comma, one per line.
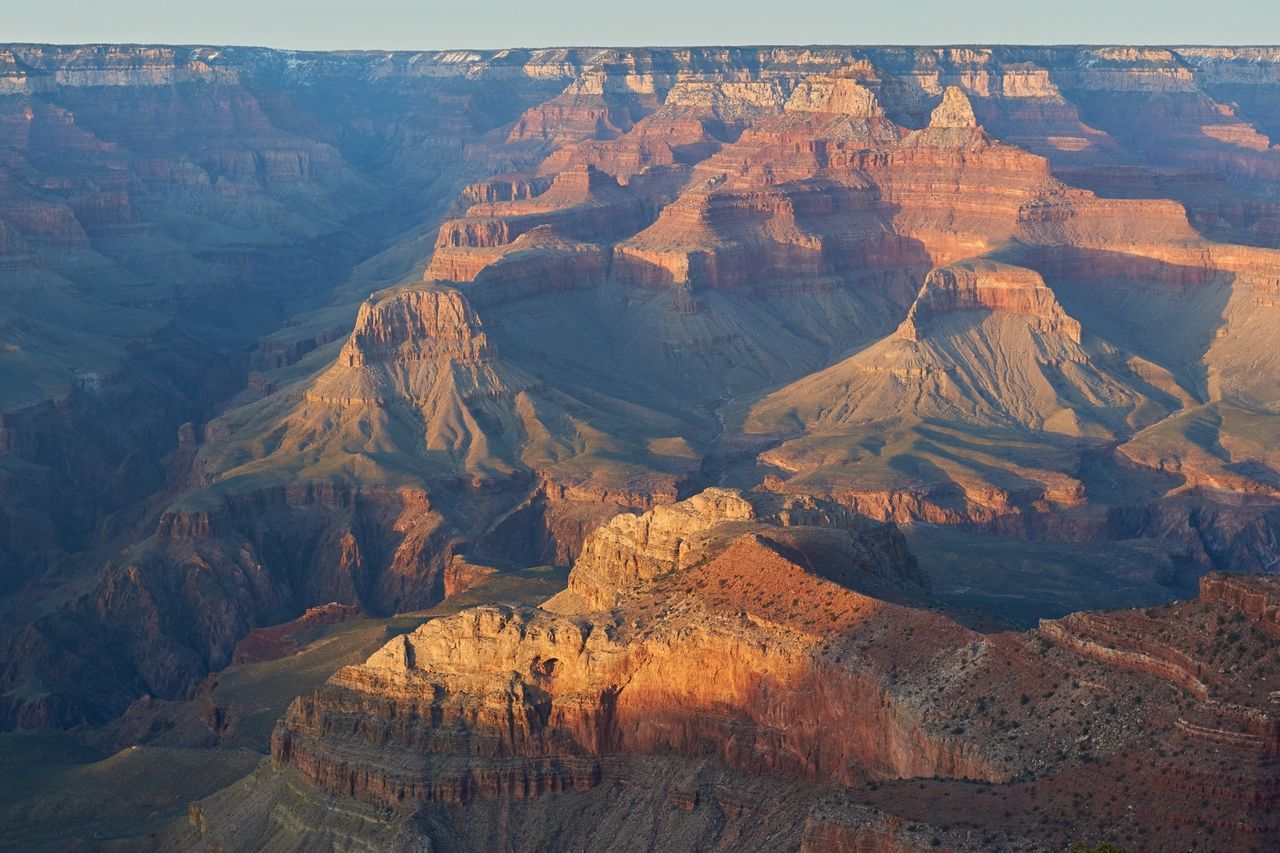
[991, 286]
[411, 324]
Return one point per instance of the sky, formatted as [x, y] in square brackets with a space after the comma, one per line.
[436, 24]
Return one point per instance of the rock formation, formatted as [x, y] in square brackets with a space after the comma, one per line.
[635, 548]
[286, 329]
[710, 585]
[989, 286]
[761, 658]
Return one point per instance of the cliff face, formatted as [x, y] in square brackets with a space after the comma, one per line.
[630, 549]
[990, 287]
[633, 548]
[416, 326]
[765, 661]
[583, 683]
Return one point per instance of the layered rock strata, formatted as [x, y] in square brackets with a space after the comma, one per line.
[760, 657]
[1025, 291]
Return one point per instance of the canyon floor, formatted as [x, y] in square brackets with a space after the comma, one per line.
[823, 448]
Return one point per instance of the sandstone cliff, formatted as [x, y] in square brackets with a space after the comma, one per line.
[759, 660]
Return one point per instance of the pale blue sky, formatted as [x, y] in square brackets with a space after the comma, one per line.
[425, 24]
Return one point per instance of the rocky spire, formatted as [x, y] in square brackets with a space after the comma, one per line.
[954, 111]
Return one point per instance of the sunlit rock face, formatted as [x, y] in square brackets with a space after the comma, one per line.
[744, 640]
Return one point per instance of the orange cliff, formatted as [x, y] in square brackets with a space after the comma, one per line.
[582, 203]
[990, 286]
[755, 603]
[631, 549]
[736, 638]
[413, 326]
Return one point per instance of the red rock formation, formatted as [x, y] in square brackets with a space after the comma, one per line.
[992, 287]
[537, 262]
[461, 575]
[277, 641]
[581, 112]
[417, 325]
[1254, 595]
[630, 549]
[636, 685]
[809, 680]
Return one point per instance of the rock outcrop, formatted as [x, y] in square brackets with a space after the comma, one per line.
[955, 111]
[752, 603]
[631, 549]
[759, 658]
[417, 325]
[993, 287]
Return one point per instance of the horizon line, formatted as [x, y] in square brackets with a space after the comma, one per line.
[672, 46]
